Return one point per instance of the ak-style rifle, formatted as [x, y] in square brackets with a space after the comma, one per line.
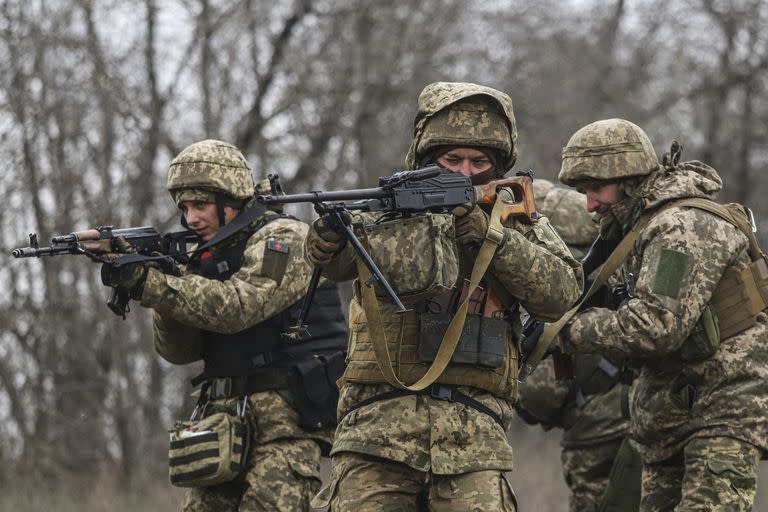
[101, 244]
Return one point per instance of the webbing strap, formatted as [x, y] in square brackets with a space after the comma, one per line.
[450, 341]
[609, 267]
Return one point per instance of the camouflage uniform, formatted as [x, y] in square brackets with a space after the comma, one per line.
[700, 421]
[417, 452]
[592, 420]
[284, 463]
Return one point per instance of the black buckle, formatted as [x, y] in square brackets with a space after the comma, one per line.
[220, 388]
[441, 392]
[261, 360]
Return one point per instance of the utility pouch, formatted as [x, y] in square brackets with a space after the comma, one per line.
[209, 451]
[704, 339]
[624, 483]
[417, 255]
[315, 390]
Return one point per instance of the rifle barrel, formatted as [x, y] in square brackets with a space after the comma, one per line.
[321, 197]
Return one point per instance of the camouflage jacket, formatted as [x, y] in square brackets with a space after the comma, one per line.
[542, 398]
[676, 263]
[185, 305]
[535, 267]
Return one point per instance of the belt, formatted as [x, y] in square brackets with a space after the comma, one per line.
[215, 388]
[436, 391]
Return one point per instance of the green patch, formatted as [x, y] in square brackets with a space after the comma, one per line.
[275, 259]
[670, 272]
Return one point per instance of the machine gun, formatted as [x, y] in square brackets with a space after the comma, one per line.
[431, 189]
[102, 244]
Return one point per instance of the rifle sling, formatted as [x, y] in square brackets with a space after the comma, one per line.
[609, 267]
[450, 341]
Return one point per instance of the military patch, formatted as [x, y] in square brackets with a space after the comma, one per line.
[275, 259]
[669, 273]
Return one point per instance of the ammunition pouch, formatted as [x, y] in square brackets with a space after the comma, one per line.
[704, 339]
[316, 392]
[417, 255]
[209, 451]
[482, 339]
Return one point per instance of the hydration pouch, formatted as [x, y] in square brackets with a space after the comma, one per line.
[417, 255]
[209, 451]
[481, 343]
[316, 392]
[704, 339]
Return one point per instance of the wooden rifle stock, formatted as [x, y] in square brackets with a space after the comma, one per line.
[521, 204]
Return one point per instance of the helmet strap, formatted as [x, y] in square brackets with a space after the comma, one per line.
[220, 209]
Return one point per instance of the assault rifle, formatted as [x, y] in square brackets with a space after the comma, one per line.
[100, 245]
[431, 189]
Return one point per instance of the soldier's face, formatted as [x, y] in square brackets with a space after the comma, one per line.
[467, 161]
[203, 219]
[601, 198]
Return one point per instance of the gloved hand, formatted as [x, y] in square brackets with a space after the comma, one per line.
[129, 277]
[323, 242]
[471, 227]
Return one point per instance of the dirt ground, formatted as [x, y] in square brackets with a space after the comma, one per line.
[537, 481]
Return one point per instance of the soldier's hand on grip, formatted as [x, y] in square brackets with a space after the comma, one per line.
[323, 242]
[471, 227]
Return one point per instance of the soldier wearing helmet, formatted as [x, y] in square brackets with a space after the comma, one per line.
[230, 305]
[690, 324]
[443, 447]
[590, 408]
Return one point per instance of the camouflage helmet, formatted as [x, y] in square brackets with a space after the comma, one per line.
[610, 149]
[463, 114]
[208, 167]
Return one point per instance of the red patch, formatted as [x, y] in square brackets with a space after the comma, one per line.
[206, 255]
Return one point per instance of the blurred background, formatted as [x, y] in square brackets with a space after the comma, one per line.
[97, 96]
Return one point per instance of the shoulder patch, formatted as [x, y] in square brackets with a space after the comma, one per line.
[273, 244]
[669, 273]
[275, 259]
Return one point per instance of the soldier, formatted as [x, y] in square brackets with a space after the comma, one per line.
[694, 322]
[444, 447]
[589, 407]
[228, 307]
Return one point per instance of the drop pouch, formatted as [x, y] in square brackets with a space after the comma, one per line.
[209, 451]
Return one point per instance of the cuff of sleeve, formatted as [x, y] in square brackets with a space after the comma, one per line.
[154, 284]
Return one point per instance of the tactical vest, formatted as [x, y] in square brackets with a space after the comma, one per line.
[404, 336]
[261, 346]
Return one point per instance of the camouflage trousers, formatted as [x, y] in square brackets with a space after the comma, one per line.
[282, 475]
[368, 484]
[712, 473]
[587, 470]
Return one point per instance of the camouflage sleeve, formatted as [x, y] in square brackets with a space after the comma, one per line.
[251, 295]
[542, 397]
[535, 266]
[175, 342]
[681, 256]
